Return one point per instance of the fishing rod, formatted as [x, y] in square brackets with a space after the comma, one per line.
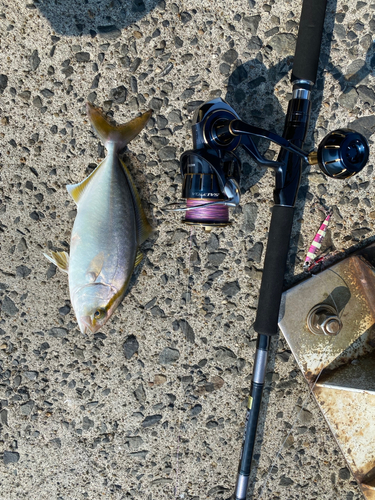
[211, 174]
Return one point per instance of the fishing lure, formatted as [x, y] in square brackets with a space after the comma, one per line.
[317, 242]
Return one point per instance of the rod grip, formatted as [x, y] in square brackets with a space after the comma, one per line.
[266, 322]
[306, 58]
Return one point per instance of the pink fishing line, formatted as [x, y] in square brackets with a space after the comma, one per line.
[214, 213]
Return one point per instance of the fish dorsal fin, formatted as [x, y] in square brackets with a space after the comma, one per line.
[95, 267]
[76, 190]
[60, 259]
[138, 258]
[144, 228]
[117, 135]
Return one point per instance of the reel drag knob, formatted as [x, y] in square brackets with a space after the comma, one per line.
[341, 154]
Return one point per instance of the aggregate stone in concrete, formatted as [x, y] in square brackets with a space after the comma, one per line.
[153, 406]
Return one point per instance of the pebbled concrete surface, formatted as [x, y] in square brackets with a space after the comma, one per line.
[153, 406]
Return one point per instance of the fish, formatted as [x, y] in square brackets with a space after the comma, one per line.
[109, 228]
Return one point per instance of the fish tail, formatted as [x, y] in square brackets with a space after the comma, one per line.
[116, 137]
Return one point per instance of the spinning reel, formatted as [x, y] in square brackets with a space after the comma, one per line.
[211, 171]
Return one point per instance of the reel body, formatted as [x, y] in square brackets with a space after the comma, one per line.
[211, 170]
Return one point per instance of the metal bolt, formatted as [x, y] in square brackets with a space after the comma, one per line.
[324, 319]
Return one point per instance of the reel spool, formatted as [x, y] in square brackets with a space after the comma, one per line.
[210, 186]
[341, 154]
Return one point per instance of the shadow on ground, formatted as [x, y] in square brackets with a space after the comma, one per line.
[103, 17]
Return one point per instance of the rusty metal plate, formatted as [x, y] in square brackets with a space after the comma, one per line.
[345, 363]
[349, 286]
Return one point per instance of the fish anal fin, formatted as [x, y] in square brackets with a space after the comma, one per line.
[138, 258]
[60, 259]
[144, 229]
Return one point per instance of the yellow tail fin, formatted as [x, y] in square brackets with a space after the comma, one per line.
[114, 136]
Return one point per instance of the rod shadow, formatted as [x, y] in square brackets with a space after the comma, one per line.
[103, 17]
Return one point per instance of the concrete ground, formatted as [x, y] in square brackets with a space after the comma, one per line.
[153, 406]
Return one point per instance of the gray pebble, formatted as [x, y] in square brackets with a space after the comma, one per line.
[364, 125]
[3, 83]
[196, 410]
[140, 394]
[283, 43]
[178, 235]
[167, 153]
[9, 307]
[255, 43]
[251, 23]
[224, 69]
[47, 93]
[285, 481]
[225, 355]
[213, 242]
[230, 56]
[187, 330]
[230, 289]
[109, 32]
[157, 312]
[217, 258]
[344, 473]
[166, 70]
[156, 103]
[64, 310]
[27, 408]
[168, 356]
[58, 332]
[82, 57]
[51, 271]
[366, 94]
[193, 105]
[250, 211]
[31, 375]
[87, 424]
[34, 60]
[349, 99]
[255, 252]
[185, 17]
[130, 346]
[4, 416]
[11, 457]
[151, 420]
[37, 102]
[135, 64]
[175, 116]
[118, 94]
[22, 271]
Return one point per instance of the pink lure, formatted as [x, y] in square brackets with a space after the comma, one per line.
[317, 242]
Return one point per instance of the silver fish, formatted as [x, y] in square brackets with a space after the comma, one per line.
[109, 228]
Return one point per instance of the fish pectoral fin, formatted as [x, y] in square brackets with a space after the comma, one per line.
[144, 228]
[60, 259]
[138, 258]
[95, 267]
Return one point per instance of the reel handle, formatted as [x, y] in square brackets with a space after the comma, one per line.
[341, 154]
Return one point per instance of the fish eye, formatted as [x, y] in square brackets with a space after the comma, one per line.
[99, 314]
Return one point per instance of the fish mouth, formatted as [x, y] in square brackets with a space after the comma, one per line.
[86, 326]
